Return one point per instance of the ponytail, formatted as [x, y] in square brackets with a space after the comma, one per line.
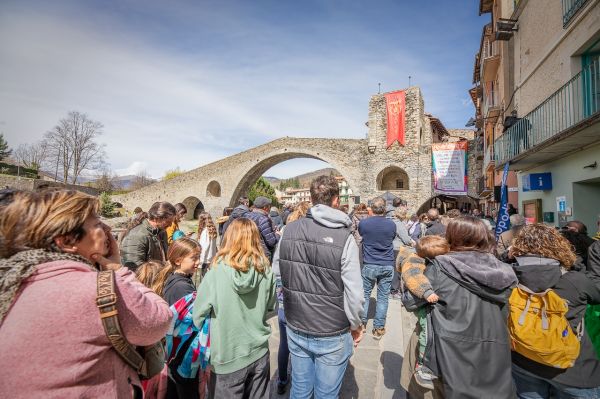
[159, 284]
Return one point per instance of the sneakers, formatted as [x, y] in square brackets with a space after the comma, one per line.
[424, 377]
[378, 332]
[397, 296]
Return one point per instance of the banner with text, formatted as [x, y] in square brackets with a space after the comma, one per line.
[450, 168]
[396, 102]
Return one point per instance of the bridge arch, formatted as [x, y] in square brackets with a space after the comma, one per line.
[268, 161]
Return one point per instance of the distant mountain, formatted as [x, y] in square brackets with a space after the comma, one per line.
[125, 182]
[305, 178]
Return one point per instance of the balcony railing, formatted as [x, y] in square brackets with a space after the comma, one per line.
[570, 8]
[574, 102]
[490, 60]
[483, 188]
[488, 157]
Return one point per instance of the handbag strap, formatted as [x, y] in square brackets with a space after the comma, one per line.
[107, 305]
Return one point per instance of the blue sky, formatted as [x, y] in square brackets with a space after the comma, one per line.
[182, 84]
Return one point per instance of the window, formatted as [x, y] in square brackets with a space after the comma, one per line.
[399, 184]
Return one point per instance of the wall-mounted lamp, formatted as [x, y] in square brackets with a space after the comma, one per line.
[592, 165]
[372, 149]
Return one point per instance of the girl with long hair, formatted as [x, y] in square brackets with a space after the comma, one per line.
[237, 292]
[175, 280]
[207, 237]
[173, 283]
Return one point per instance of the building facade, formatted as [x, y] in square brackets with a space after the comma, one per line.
[551, 106]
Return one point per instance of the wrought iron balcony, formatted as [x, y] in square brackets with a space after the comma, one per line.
[565, 116]
[570, 8]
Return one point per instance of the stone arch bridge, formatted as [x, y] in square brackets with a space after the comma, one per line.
[368, 166]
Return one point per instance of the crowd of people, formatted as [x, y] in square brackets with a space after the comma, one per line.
[487, 308]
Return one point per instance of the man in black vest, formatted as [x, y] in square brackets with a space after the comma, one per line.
[318, 263]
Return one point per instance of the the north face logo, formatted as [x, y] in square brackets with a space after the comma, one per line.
[328, 239]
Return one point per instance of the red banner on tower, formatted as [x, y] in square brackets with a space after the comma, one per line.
[396, 102]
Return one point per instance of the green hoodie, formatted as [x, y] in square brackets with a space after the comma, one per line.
[239, 332]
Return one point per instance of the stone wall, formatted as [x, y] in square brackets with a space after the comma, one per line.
[359, 161]
[24, 183]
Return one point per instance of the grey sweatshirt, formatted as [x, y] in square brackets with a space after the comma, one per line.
[354, 296]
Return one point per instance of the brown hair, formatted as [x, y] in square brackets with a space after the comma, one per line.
[299, 212]
[469, 233]
[431, 246]
[161, 211]
[241, 247]
[205, 222]
[180, 209]
[378, 205]
[34, 220]
[179, 249]
[148, 273]
[323, 190]
[433, 214]
[545, 241]
[361, 208]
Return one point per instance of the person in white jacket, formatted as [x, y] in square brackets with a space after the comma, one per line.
[207, 237]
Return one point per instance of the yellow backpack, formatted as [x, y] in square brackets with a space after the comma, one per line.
[539, 329]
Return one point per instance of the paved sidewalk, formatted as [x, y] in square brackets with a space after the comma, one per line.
[374, 369]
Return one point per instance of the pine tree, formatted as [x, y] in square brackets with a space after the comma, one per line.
[107, 207]
[262, 188]
[4, 150]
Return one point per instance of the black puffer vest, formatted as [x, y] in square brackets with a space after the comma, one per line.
[310, 261]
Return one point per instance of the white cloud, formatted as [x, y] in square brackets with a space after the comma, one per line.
[164, 107]
[133, 169]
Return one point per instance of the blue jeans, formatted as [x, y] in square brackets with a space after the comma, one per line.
[284, 352]
[382, 275]
[530, 386]
[318, 364]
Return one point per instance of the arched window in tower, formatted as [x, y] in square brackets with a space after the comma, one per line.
[392, 178]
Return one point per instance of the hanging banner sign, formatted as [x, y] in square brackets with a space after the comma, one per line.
[396, 104]
[450, 168]
[503, 222]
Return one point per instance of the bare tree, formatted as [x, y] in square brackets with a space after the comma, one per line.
[105, 182]
[142, 179]
[32, 156]
[73, 145]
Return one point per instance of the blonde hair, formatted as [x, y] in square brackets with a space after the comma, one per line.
[431, 246]
[241, 247]
[179, 249]
[299, 212]
[401, 214]
[545, 241]
[205, 222]
[34, 220]
[148, 273]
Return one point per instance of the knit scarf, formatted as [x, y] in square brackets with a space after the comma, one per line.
[17, 268]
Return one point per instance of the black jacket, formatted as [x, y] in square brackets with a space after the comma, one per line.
[579, 290]
[470, 349]
[177, 286]
[435, 228]
[237, 212]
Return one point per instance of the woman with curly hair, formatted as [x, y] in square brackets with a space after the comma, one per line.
[207, 237]
[544, 260]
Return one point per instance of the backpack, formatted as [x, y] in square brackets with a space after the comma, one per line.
[187, 347]
[539, 329]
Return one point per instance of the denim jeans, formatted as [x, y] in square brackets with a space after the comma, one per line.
[318, 364]
[382, 275]
[530, 386]
[283, 354]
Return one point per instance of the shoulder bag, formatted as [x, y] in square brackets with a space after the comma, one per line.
[147, 361]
